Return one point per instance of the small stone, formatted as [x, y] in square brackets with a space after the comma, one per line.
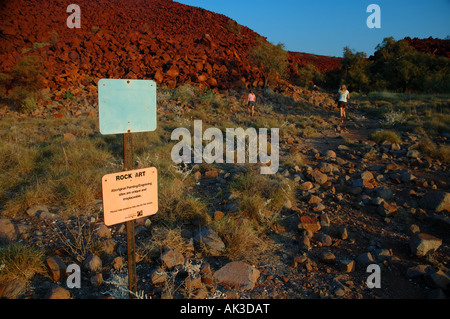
[422, 244]
[325, 221]
[319, 208]
[314, 199]
[386, 209]
[342, 231]
[93, 263]
[56, 266]
[103, 231]
[327, 257]
[237, 274]
[366, 176]
[57, 292]
[8, 231]
[324, 239]
[309, 223]
[211, 241]
[413, 154]
[193, 282]
[439, 279]
[172, 258]
[436, 200]
[108, 246]
[117, 263]
[414, 229]
[211, 174]
[218, 215]
[304, 244]
[330, 154]
[300, 259]
[37, 210]
[407, 177]
[306, 186]
[365, 259]
[319, 177]
[158, 277]
[347, 265]
[97, 279]
[417, 271]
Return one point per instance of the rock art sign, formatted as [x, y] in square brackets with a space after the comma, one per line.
[129, 195]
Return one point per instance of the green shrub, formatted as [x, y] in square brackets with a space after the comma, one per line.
[385, 135]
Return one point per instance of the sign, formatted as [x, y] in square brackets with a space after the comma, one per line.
[126, 106]
[129, 195]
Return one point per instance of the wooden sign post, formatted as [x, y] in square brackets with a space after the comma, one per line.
[125, 107]
[131, 244]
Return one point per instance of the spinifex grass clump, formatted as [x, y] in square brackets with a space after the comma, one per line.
[385, 135]
[41, 166]
[19, 263]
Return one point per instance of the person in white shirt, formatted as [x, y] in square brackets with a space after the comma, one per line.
[344, 96]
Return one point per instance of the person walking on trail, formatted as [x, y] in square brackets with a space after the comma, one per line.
[344, 96]
[251, 101]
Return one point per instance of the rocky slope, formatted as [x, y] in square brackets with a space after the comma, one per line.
[158, 39]
[431, 45]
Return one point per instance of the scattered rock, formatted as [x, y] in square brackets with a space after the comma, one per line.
[57, 292]
[172, 258]
[8, 231]
[414, 229]
[93, 263]
[436, 200]
[439, 279]
[56, 267]
[366, 176]
[365, 259]
[347, 265]
[324, 239]
[211, 241]
[342, 231]
[417, 271]
[158, 276]
[96, 280]
[237, 274]
[37, 210]
[306, 186]
[117, 263]
[103, 231]
[304, 244]
[413, 154]
[386, 209]
[422, 244]
[327, 257]
[309, 223]
[319, 177]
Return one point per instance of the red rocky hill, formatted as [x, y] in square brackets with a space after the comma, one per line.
[431, 45]
[162, 40]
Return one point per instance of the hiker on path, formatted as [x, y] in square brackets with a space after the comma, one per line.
[344, 96]
[251, 101]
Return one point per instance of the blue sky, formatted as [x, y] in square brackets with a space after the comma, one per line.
[326, 26]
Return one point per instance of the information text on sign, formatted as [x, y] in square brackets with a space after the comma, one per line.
[129, 195]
